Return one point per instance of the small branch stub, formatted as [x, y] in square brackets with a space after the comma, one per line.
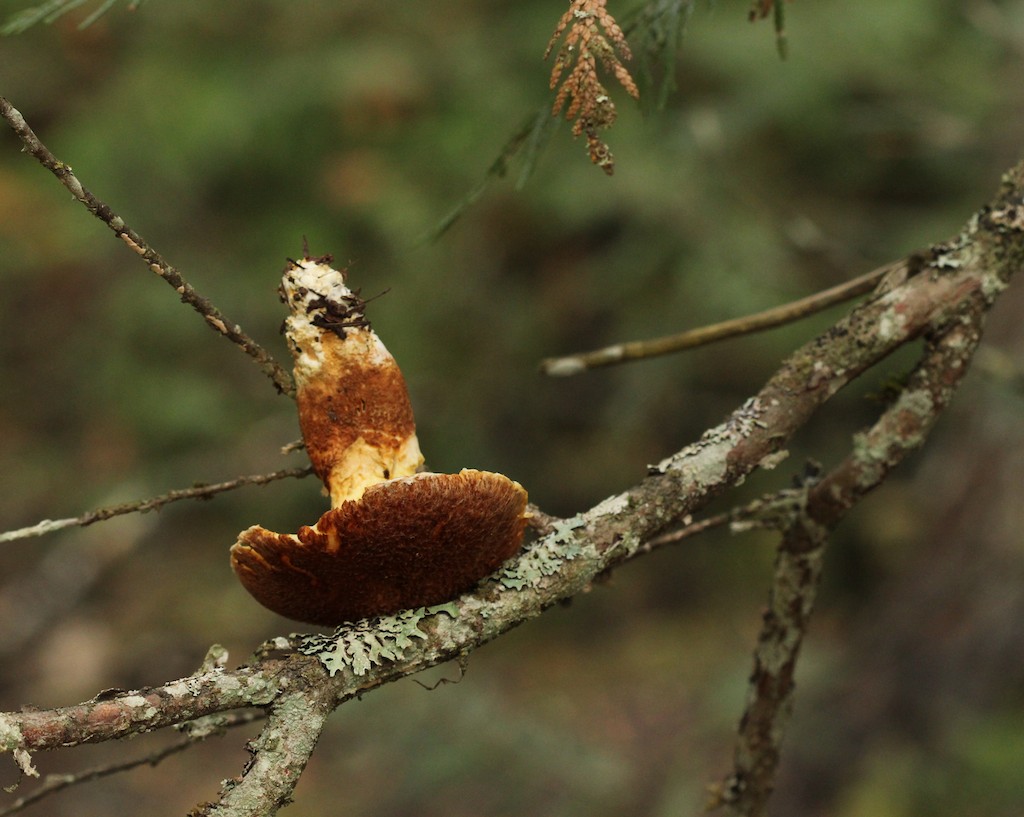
[394, 538]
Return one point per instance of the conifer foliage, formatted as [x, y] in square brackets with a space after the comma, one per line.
[593, 36]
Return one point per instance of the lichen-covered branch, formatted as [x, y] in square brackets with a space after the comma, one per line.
[798, 566]
[116, 714]
[991, 245]
[194, 732]
[946, 289]
[279, 755]
[795, 581]
[943, 285]
[213, 316]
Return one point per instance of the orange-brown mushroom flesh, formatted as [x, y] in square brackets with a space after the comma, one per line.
[354, 408]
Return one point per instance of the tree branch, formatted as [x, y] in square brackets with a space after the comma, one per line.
[214, 318]
[141, 506]
[114, 714]
[818, 510]
[279, 754]
[945, 288]
[704, 335]
[196, 732]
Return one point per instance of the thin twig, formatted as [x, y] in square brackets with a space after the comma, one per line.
[143, 505]
[689, 530]
[531, 127]
[54, 783]
[776, 316]
[232, 331]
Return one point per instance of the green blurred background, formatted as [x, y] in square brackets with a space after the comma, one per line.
[224, 133]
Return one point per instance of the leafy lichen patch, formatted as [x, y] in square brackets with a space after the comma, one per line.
[546, 557]
[369, 642]
[10, 734]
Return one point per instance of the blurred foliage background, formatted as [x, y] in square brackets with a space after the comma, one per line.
[224, 133]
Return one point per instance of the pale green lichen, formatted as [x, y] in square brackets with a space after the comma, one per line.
[216, 658]
[705, 462]
[11, 740]
[145, 709]
[10, 734]
[204, 727]
[872, 451]
[992, 286]
[369, 642]
[948, 261]
[229, 683]
[918, 401]
[545, 558]
[891, 325]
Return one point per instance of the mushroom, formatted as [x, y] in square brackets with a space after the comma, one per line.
[394, 538]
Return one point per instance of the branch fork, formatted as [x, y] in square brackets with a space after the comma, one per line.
[943, 298]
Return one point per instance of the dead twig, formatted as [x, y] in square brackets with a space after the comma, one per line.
[153, 503]
[213, 316]
[702, 336]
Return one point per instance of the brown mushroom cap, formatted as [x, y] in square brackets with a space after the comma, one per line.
[404, 543]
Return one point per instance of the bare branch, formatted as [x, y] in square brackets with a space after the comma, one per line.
[704, 335]
[153, 503]
[216, 320]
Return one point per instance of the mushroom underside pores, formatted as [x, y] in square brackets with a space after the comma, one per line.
[394, 538]
[408, 542]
